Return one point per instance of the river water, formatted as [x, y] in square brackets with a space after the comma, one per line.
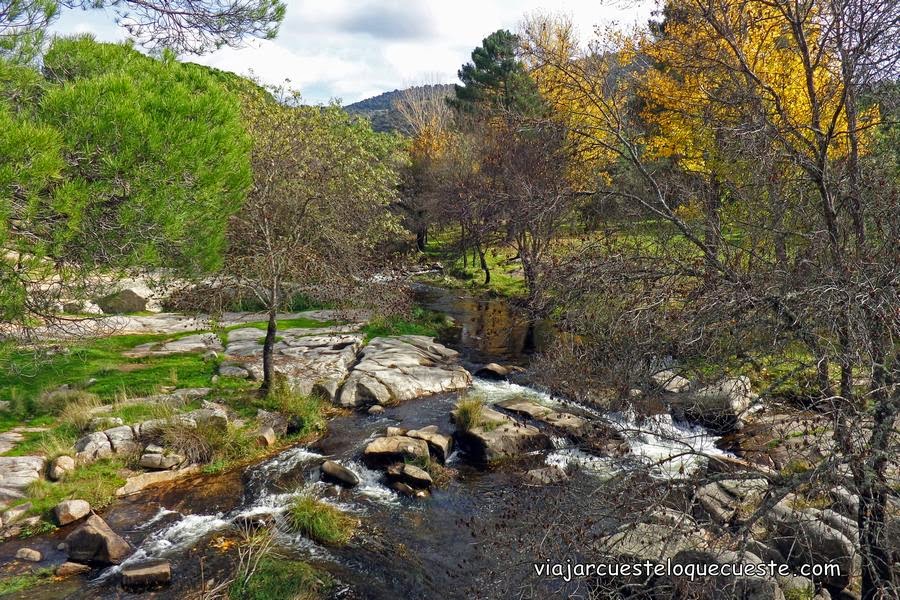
[474, 538]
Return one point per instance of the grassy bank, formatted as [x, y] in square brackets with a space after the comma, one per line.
[507, 279]
[100, 366]
[282, 579]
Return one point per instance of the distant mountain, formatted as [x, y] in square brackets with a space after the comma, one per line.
[380, 109]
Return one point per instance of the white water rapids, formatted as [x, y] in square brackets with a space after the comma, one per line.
[672, 449]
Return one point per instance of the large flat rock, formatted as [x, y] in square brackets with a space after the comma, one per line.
[395, 369]
[566, 423]
[17, 472]
[500, 437]
[137, 483]
[311, 359]
[198, 342]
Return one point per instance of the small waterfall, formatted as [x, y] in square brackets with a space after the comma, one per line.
[260, 499]
[673, 449]
[181, 535]
[370, 484]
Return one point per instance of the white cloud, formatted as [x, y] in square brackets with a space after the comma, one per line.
[352, 49]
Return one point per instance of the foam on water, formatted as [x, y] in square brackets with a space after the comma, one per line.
[673, 449]
[496, 391]
[566, 457]
[181, 535]
[162, 513]
[283, 463]
[370, 484]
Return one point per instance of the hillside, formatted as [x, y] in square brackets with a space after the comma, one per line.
[380, 109]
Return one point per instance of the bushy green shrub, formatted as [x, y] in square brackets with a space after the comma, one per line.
[469, 412]
[281, 579]
[207, 442]
[304, 411]
[320, 522]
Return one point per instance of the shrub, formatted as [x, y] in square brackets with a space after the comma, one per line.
[440, 474]
[79, 411]
[55, 402]
[304, 411]
[58, 441]
[469, 412]
[320, 522]
[206, 442]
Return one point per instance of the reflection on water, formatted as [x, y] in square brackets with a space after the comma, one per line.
[487, 328]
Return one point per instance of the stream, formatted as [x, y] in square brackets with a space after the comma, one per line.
[459, 543]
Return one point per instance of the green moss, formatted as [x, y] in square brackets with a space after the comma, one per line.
[279, 579]
[795, 467]
[25, 581]
[320, 522]
[800, 593]
[217, 466]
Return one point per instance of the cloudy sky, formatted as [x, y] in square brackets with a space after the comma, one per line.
[354, 49]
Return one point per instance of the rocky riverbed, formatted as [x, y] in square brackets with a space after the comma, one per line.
[451, 506]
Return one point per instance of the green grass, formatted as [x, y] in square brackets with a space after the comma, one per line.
[280, 579]
[320, 522]
[97, 483]
[50, 443]
[419, 322]
[28, 445]
[20, 583]
[469, 413]
[26, 375]
[306, 411]
[301, 323]
[788, 374]
[140, 411]
[507, 279]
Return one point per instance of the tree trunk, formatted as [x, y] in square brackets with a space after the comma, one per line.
[877, 574]
[484, 265]
[268, 346]
[421, 231]
[824, 377]
[713, 233]
[878, 580]
[779, 207]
